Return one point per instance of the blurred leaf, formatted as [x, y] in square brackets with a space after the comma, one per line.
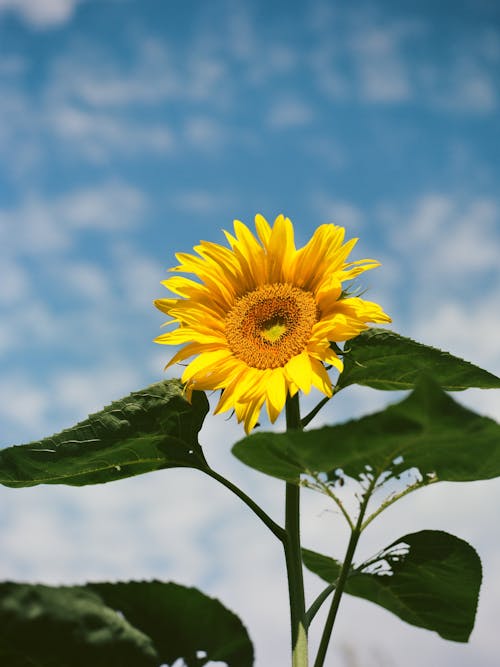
[144, 624]
[325, 567]
[42, 626]
[182, 622]
[428, 431]
[148, 430]
[430, 579]
[385, 360]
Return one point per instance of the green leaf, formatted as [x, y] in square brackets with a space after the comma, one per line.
[42, 626]
[428, 431]
[385, 360]
[325, 567]
[148, 430]
[145, 624]
[182, 622]
[430, 579]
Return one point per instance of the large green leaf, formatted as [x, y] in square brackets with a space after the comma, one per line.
[428, 431]
[182, 622]
[430, 579]
[145, 624]
[150, 429]
[385, 360]
[43, 626]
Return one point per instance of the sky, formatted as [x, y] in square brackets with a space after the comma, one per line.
[130, 130]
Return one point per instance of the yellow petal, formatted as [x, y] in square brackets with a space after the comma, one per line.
[239, 390]
[276, 393]
[204, 363]
[183, 286]
[251, 413]
[298, 370]
[323, 352]
[165, 304]
[280, 250]
[313, 260]
[320, 378]
[263, 229]
[189, 335]
[192, 349]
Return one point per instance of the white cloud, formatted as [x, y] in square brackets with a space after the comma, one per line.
[327, 71]
[15, 285]
[337, 211]
[240, 32]
[31, 228]
[20, 128]
[21, 400]
[359, 56]
[95, 78]
[112, 206]
[468, 329]
[86, 279]
[41, 225]
[12, 65]
[445, 258]
[363, 55]
[42, 14]
[205, 133]
[201, 202]
[88, 391]
[469, 87]
[289, 112]
[457, 234]
[101, 137]
[138, 275]
[205, 78]
[154, 74]
[382, 71]
[330, 153]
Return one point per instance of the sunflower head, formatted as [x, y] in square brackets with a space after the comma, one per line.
[260, 317]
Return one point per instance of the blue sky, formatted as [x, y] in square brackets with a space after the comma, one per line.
[128, 131]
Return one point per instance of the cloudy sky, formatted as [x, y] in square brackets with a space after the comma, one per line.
[131, 129]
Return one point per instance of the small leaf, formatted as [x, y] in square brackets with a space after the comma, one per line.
[144, 624]
[325, 567]
[385, 360]
[428, 431]
[430, 579]
[182, 622]
[148, 430]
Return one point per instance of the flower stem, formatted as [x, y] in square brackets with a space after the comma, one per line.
[310, 416]
[263, 516]
[341, 581]
[316, 605]
[293, 553]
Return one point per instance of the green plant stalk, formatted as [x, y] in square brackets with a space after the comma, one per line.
[316, 605]
[309, 417]
[293, 553]
[341, 581]
[256, 509]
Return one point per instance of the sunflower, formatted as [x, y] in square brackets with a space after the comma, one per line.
[261, 318]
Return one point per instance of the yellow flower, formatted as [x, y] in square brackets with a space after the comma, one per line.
[260, 320]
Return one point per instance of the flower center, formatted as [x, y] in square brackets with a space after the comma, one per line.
[267, 327]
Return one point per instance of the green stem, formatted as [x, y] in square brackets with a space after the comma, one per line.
[293, 553]
[325, 488]
[263, 516]
[392, 500]
[316, 605]
[341, 581]
[310, 416]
